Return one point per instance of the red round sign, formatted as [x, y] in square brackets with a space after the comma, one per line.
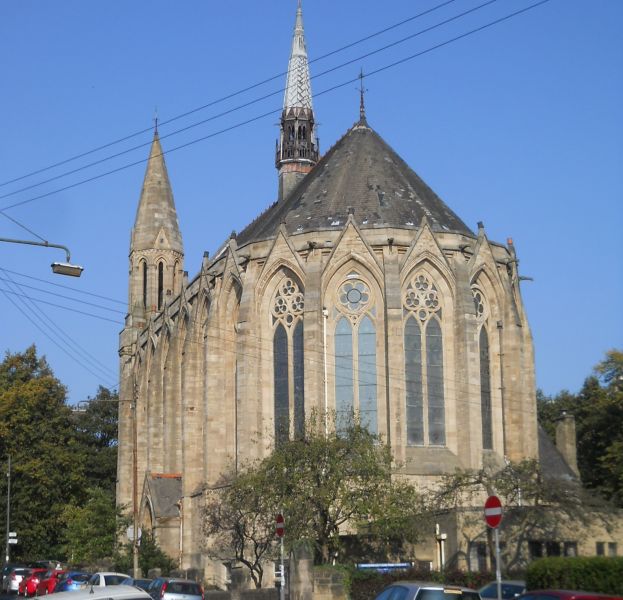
[493, 511]
[280, 528]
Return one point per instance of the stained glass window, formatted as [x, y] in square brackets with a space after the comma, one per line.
[423, 342]
[288, 358]
[485, 391]
[366, 368]
[282, 407]
[344, 389]
[413, 375]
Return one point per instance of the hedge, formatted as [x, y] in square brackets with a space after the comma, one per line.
[590, 574]
[365, 585]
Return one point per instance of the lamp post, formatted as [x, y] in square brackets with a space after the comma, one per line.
[66, 268]
[8, 509]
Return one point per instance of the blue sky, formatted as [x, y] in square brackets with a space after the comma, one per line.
[519, 126]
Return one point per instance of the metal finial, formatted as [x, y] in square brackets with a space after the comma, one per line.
[156, 120]
[362, 104]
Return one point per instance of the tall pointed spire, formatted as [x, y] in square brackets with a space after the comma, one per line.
[156, 249]
[297, 148]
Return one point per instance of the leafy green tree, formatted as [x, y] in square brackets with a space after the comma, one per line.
[323, 484]
[96, 428]
[91, 528]
[36, 430]
[150, 557]
[598, 412]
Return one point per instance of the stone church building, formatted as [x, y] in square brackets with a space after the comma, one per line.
[359, 289]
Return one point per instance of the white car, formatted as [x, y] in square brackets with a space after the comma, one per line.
[105, 592]
[104, 579]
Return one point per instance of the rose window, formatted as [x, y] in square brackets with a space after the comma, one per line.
[479, 303]
[289, 302]
[354, 295]
[421, 297]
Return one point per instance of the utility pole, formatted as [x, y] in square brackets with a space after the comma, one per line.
[8, 510]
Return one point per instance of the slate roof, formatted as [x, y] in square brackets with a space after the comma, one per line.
[361, 171]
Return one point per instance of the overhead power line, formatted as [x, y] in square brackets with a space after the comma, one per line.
[278, 110]
[227, 96]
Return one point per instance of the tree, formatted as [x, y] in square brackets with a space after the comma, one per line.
[324, 484]
[535, 507]
[598, 412]
[96, 428]
[36, 430]
[91, 528]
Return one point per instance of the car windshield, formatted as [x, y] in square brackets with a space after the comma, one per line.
[183, 587]
[114, 579]
[509, 590]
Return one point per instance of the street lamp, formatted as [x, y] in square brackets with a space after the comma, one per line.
[59, 268]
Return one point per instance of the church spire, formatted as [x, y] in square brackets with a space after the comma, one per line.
[156, 249]
[297, 148]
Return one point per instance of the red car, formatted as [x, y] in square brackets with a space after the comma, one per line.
[565, 595]
[48, 582]
[28, 585]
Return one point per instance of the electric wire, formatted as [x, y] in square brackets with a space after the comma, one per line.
[278, 110]
[63, 341]
[229, 95]
[245, 105]
[10, 218]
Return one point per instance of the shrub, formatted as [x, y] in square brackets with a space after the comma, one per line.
[590, 574]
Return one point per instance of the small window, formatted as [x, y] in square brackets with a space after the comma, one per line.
[612, 548]
[571, 548]
[600, 548]
[552, 548]
[535, 548]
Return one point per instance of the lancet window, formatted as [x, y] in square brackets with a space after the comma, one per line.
[160, 285]
[424, 381]
[144, 274]
[288, 359]
[355, 355]
[480, 307]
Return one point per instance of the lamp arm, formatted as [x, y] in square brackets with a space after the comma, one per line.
[44, 244]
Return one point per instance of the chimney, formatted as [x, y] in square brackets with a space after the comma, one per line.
[566, 440]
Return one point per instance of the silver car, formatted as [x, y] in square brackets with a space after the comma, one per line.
[165, 588]
[415, 590]
[15, 577]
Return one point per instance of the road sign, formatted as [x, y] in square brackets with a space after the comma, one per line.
[280, 527]
[493, 511]
[12, 534]
[12, 540]
[130, 533]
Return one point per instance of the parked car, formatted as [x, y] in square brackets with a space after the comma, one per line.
[112, 592]
[510, 589]
[565, 595]
[15, 577]
[104, 579]
[28, 586]
[139, 583]
[416, 590]
[71, 581]
[6, 572]
[47, 582]
[165, 588]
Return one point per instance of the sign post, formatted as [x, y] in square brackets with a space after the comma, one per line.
[280, 530]
[493, 517]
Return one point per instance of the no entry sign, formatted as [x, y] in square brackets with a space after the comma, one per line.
[493, 511]
[279, 529]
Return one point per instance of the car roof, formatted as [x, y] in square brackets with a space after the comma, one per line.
[432, 585]
[113, 592]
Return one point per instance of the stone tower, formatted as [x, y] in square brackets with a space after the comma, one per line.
[297, 148]
[156, 251]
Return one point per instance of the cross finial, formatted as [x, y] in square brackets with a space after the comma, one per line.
[362, 105]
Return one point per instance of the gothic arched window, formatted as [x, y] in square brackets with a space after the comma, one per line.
[288, 359]
[144, 273]
[355, 356]
[423, 340]
[160, 285]
[485, 370]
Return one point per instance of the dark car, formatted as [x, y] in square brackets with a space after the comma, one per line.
[166, 588]
[510, 589]
[139, 583]
[417, 590]
[72, 581]
[566, 595]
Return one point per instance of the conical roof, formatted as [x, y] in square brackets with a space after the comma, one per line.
[360, 174]
[156, 210]
[298, 84]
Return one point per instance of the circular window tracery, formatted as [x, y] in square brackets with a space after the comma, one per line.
[479, 304]
[421, 297]
[289, 302]
[354, 296]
